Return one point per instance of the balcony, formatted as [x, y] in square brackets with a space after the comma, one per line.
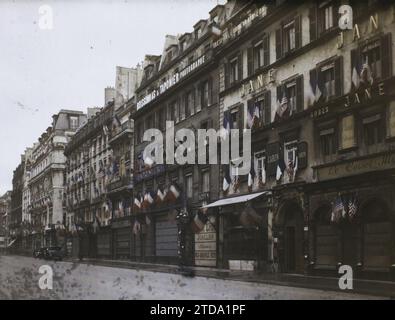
[126, 129]
[120, 183]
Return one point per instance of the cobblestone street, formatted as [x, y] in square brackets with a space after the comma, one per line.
[19, 278]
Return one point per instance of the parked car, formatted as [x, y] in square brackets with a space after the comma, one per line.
[55, 253]
[39, 253]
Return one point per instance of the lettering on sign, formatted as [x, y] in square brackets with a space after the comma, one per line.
[170, 82]
[381, 162]
[206, 246]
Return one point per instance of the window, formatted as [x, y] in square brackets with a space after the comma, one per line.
[371, 57]
[198, 33]
[173, 113]
[191, 102]
[328, 78]
[234, 76]
[291, 94]
[162, 119]
[189, 186]
[259, 166]
[326, 14]
[205, 94]
[290, 151]
[234, 118]
[183, 45]
[289, 37]
[258, 55]
[327, 142]
[206, 181]
[73, 123]
[372, 130]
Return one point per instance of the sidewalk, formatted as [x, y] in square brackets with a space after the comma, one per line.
[361, 286]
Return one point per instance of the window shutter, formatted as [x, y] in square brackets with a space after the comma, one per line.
[299, 94]
[250, 61]
[313, 23]
[241, 116]
[302, 155]
[278, 44]
[240, 66]
[338, 76]
[273, 153]
[266, 51]
[267, 106]
[298, 32]
[386, 45]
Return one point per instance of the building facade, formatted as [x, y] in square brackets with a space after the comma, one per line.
[88, 172]
[46, 181]
[318, 102]
[5, 204]
[179, 90]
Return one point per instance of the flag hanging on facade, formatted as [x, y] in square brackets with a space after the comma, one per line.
[150, 197]
[355, 76]
[198, 222]
[136, 205]
[227, 181]
[160, 196]
[366, 73]
[310, 92]
[352, 207]
[173, 194]
[338, 210]
[227, 125]
[251, 177]
[282, 107]
[280, 168]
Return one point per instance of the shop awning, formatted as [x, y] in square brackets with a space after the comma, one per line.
[239, 199]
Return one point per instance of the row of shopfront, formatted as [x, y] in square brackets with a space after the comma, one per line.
[289, 229]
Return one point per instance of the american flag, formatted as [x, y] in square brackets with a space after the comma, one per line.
[352, 207]
[337, 210]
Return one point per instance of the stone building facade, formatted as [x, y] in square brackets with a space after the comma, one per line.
[46, 182]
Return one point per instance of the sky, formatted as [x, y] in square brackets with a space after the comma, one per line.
[44, 69]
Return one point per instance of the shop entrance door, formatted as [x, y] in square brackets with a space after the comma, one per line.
[290, 249]
[293, 241]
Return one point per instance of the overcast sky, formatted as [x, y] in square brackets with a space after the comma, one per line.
[42, 71]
